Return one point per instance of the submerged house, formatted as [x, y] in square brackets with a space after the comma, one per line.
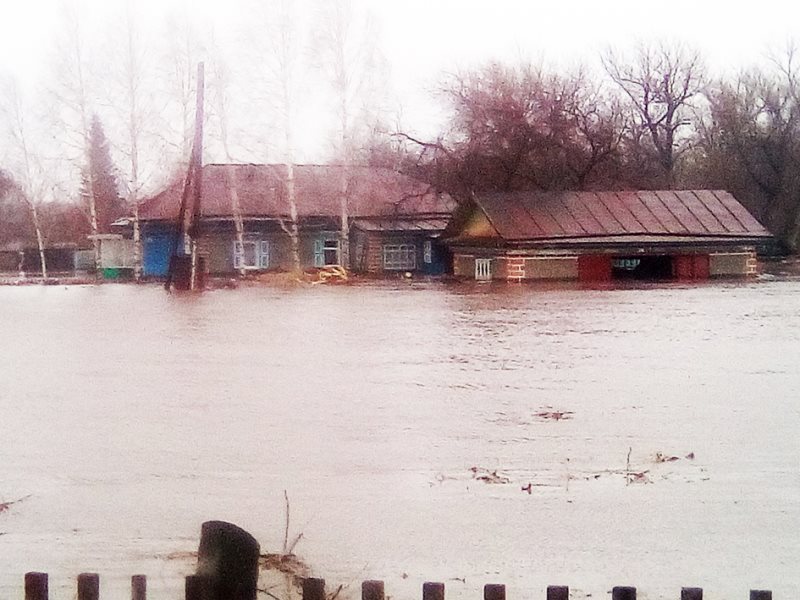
[597, 236]
[394, 221]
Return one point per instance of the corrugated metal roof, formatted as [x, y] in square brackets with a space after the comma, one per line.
[261, 192]
[556, 215]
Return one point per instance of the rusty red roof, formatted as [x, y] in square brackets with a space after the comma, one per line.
[372, 192]
[521, 216]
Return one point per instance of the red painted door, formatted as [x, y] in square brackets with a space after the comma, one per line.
[594, 267]
[701, 268]
[690, 266]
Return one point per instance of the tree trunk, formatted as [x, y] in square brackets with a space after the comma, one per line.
[39, 238]
[137, 245]
[294, 234]
[238, 222]
[344, 249]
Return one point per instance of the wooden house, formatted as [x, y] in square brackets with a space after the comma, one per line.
[395, 221]
[597, 236]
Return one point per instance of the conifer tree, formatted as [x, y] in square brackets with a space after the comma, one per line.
[103, 177]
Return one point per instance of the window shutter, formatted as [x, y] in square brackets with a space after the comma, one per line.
[238, 255]
[263, 258]
[427, 252]
[319, 256]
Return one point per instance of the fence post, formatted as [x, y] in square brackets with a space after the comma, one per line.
[557, 592]
[199, 587]
[494, 591]
[229, 556]
[88, 586]
[691, 593]
[313, 589]
[139, 587]
[372, 590]
[36, 586]
[432, 591]
[623, 593]
[760, 595]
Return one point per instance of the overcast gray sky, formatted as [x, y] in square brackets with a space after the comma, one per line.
[422, 38]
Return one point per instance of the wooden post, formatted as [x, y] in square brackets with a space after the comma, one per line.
[199, 587]
[228, 555]
[139, 587]
[313, 589]
[494, 591]
[691, 593]
[36, 586]
[557, 592]
[623, 593]
[372, 590]
[88, 586]
[432, 591]
[760, 595]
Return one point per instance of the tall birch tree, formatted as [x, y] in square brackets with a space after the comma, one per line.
[135, 104]
[280, 53]
[27, 170]
[220, 84]
[349, 59]
[72, 92]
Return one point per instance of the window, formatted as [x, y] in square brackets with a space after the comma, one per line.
[399, 257]
[483, 269]
[626, 264]
[251, 254]
[326, 252]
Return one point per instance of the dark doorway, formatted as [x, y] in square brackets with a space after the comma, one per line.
[642, 267]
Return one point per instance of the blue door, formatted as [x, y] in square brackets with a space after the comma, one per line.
[156, 250]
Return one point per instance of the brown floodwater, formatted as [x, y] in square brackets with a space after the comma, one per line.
[403, 421]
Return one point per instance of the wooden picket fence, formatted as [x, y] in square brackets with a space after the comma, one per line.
[197, 588]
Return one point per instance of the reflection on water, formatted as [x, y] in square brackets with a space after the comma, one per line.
[404, 421]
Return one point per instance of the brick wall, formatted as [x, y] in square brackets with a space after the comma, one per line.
[555, 267]
[730, 264]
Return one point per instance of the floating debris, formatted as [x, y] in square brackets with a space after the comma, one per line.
[554, 415]
[488, 476]
[289, 564]
[662, 458]
[5, 506]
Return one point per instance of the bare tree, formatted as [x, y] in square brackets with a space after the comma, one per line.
[72, 93]
[132, 96]
[661, 85]
[29, 174]
[220, 101]
[183, 53]
[521, 128]
[348, 56]
[280, 53]
[751, 145]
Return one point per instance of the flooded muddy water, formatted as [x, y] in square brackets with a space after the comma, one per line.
[657, 427]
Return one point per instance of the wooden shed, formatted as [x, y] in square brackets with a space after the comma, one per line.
[599, 236]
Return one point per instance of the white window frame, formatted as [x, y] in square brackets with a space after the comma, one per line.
[399, 257]
[261, 252]
[323, 244]
[427, 252]
[483, 269]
